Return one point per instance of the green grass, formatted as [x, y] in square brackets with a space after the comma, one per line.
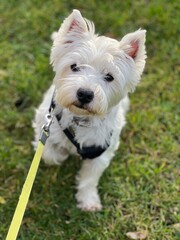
[140, 190]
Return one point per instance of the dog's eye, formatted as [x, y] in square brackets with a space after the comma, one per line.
[74, 68]
[109, 77]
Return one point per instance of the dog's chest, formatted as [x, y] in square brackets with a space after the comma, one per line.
[86, 131]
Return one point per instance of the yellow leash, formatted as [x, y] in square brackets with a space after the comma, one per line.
[26, 190]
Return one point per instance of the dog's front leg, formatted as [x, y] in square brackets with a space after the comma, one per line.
[88, 177]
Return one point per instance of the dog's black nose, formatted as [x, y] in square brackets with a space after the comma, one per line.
[85, 95]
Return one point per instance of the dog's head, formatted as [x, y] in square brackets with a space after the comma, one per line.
[93, 73]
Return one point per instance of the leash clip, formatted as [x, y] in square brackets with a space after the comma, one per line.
[49, 119]
[45, 129]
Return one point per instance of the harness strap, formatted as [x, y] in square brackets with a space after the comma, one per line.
[85, 152]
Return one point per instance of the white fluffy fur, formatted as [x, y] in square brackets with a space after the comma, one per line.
[96, 56]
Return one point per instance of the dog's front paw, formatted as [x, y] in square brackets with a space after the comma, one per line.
[88, 201]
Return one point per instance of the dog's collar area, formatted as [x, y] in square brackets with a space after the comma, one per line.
[82, 122]
[90, 152]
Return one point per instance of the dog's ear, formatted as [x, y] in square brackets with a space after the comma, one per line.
[77, 22]
[133, 44]
[72, 27]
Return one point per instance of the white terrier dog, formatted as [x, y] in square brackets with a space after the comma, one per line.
[89, 99]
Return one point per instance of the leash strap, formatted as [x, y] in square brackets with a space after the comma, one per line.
[26, 190]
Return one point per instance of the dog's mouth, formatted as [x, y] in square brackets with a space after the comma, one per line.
[80, 109]
[80, 105]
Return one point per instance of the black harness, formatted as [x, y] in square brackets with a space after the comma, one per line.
[85, 152]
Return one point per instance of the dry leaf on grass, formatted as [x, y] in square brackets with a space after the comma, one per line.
[176, 226]
[137, 235]
[2, 200]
